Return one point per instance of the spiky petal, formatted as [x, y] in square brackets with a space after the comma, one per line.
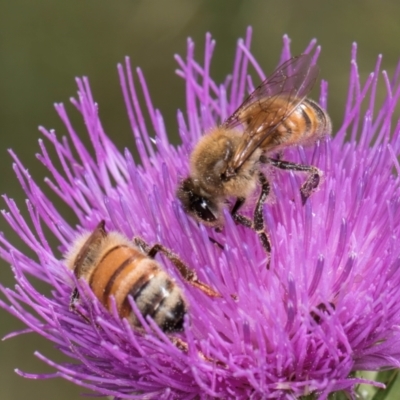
[328, 306]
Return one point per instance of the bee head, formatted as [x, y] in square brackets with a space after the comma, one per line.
[197, 203]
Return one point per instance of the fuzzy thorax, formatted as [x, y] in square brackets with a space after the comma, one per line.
[209, 162]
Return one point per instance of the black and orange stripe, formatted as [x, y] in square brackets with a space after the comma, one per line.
[123, 271]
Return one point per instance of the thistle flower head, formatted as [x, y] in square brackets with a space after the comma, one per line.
[328, 306]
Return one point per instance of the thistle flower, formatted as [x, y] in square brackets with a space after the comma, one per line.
[329, 305]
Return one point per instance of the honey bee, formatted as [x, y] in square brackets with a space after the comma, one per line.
[226, 162]
[114, 266]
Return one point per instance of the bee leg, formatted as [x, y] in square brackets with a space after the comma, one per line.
[238, 218]
[188, 274]
[309, 186]
[183, 346]
[242, 220]
[213, 241]
[239, 202]
[72, 304]
[312, 182]
[216, 243]
[142, 245]
[257, 224]
[73, 300]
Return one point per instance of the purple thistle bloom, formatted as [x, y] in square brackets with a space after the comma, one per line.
[328, 307]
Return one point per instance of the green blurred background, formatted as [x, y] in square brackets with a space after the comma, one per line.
[44, 44]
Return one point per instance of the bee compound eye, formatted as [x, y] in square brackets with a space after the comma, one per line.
[201, 208]
[193, 202]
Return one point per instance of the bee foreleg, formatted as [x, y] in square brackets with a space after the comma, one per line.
[188, 274]
[239, 202]
[242, 220]
[312, 182]
[257, 224]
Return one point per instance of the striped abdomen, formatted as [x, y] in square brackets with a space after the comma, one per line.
[306, 124]
[124, 270]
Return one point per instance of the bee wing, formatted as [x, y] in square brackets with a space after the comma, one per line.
[292, 80]
[96, 236]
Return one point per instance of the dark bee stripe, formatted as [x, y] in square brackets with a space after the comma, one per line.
[93, 276]
[141, 284]
[136, 290]
[175, 323]
[121, 246]
[320, 113]
[114, 276]
[288, 129]
[306, 118]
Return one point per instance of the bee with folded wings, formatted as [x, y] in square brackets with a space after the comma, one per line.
[113, 265]
[226, 162]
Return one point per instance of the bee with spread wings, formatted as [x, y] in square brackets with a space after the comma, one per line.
[226, 162]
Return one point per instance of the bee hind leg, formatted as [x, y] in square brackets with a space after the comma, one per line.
[312, 182]
[188, 274]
